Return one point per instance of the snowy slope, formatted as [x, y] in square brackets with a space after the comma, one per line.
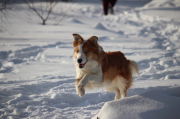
[37, 73]
[162, 4]
[163, 8]
[155, 104]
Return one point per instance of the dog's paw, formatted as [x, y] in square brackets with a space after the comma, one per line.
[80, 90]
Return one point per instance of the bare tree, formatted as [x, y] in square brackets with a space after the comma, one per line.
[3, 15]
[43, 9]
[3, 4]
[65, 11]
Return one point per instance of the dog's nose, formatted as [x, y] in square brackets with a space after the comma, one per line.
[79, 60]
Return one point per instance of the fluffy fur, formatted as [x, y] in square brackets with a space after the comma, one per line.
[96, 68]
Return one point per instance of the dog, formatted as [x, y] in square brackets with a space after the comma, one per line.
[96, 68]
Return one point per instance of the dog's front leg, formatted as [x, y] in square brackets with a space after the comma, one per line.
[82, 83]
[79, 89]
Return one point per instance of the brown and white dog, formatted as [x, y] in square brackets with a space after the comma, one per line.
[96, 68]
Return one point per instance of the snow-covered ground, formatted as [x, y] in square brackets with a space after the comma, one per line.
[37, 73]
[155, 104]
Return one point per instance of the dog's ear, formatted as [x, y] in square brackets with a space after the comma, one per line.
[77, 40]
[93, 40]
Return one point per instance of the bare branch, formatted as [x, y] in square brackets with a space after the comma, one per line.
[49, 5]
[65, 13]
[4, 15]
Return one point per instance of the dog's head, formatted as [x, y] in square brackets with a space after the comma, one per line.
[85, 51]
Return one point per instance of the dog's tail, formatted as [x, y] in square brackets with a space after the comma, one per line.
[134, 68]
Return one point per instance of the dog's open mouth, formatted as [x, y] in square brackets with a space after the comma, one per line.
[82, 65]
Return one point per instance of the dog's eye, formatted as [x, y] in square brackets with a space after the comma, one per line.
[77, 51]
[87, 52]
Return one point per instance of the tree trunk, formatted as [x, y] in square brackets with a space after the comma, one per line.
[44, 22]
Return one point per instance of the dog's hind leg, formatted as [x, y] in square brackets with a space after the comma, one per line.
[117, 94]
[122, 86]
[123, 93]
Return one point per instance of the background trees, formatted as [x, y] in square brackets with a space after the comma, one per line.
[4, 23]
[43, 9]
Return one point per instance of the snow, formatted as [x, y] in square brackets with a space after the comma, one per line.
[37, 73]
[99, 26]
[163, 8]
[162, 4]
[155, 104]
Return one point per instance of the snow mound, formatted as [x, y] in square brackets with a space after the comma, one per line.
[100, 26]
[163, 4]
[156, 104]
[120, 32]
[75, 21]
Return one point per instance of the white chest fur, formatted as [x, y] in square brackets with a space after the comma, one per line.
[90, 75]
